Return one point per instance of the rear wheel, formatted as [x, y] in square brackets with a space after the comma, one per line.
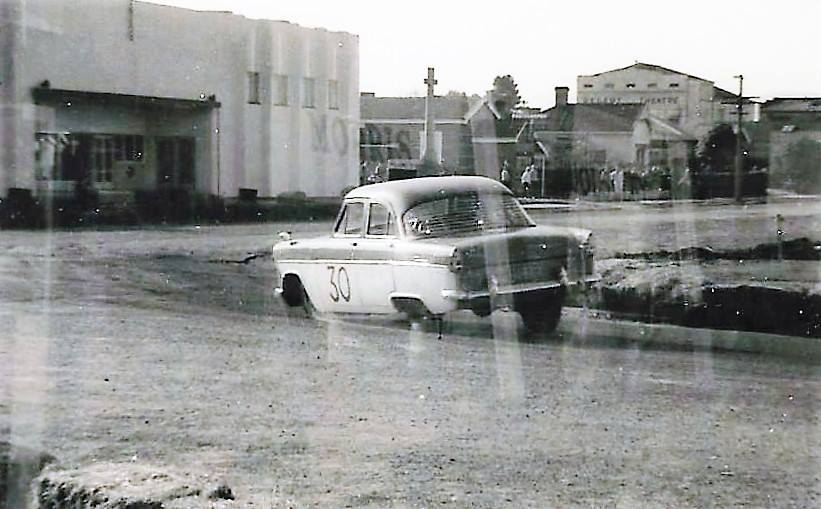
[541, 309]
[414, 309]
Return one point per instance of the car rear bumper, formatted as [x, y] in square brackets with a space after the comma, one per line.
[464, 295]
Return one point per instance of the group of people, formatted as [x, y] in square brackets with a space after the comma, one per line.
[527, 179]
[619, 182]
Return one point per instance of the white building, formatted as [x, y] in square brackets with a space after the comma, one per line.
[137, 96]
[687, 102]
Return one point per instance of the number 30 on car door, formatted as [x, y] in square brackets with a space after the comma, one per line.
[339, 284]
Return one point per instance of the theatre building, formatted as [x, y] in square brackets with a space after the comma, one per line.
[688, 103]
[125, 96]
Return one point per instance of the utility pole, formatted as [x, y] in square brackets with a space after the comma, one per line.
[738, 138]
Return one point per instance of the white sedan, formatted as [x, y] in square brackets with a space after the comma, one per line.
[429, 246]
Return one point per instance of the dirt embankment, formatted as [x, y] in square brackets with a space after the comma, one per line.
[768, 288]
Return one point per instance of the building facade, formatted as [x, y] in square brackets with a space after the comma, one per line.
[691, 104]
[471, 137]
[392, 129]
[128, 96]
[609, 135]
[792, 126]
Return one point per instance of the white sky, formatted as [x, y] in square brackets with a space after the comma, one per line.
[543, 44]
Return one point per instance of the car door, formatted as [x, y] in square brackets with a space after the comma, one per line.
[330, 283]
[372, 257]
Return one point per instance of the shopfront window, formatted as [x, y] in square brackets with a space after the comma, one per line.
[64, 156]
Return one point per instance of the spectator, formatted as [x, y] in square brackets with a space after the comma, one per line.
[527, 180]
[505, 175]
[618, 183]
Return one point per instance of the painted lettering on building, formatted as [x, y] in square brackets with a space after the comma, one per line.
[631, 100]
[327, 136]
[381, 143]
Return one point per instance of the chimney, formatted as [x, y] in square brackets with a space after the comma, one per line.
[561, 95]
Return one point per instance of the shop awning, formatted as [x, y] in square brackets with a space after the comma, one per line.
[67, 97]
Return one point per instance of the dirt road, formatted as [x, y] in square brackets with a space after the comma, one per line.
[145, 347]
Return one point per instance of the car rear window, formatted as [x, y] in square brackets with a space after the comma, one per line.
[463, 214]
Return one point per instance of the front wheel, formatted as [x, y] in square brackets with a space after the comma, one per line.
[541, 309]
[296, 298]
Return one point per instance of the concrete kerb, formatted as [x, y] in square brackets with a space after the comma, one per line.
[557, 206]
[586, 325]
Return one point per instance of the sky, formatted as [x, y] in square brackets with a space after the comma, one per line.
[544, 44]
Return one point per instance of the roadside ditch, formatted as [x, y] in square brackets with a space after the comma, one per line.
[771, 288]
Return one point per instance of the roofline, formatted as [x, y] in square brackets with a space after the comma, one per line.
[414, 121]
[792, 99]
[156, 3]
[667, 69]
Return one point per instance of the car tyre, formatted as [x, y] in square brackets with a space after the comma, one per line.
[542, 309]
[296, 298]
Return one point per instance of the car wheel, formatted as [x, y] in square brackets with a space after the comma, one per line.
[414, 309]
[295, 296]
[542, 309]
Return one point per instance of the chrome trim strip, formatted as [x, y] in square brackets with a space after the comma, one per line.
[366, 262]
[510, 289]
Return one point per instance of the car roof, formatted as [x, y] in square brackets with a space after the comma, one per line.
[403, 194]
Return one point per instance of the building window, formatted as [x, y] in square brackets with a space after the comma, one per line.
[631, 85]
[333, 94]
[673, 85]
[608, 85]
[652, 85]
[281, 90]
[588, 85]
[308, 93]
[75, 156]
[253, 87]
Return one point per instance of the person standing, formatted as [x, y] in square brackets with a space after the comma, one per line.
[505, 175]
[527, 180]
[618, 183]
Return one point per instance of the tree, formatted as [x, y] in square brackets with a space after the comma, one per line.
[717, 153]
[505, 94]
[802, 164]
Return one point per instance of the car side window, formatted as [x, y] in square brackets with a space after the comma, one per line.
[380, 220]
[350, 223]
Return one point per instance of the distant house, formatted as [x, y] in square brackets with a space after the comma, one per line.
[792, 126]
[607, 135]
[471, 136]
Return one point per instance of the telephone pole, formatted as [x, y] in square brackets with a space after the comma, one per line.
[738, 136]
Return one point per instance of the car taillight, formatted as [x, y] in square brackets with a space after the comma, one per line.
[588, 245]
[456, 261]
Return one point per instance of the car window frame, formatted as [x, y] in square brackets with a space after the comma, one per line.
[342, 211]
[391, 214]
